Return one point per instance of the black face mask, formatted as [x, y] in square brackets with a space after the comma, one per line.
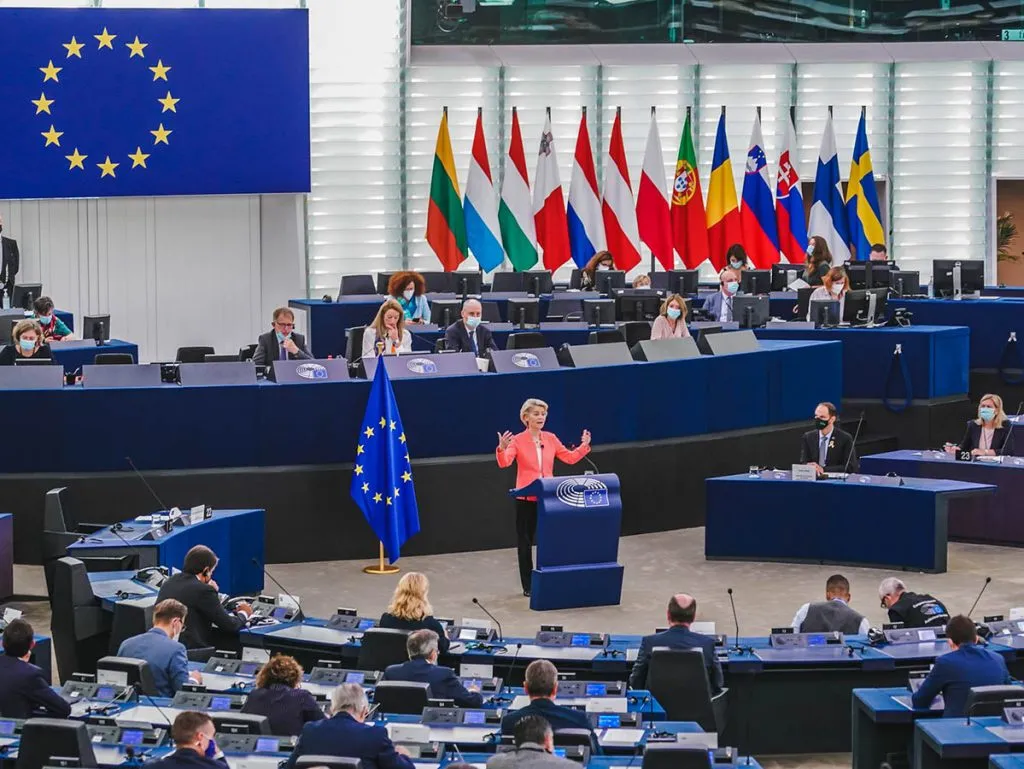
[821, 424]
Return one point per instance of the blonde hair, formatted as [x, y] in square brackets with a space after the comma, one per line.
[410, 598]
[528, 404]
[378, 321]
[26, 325]
[642, 278]
[999, 420]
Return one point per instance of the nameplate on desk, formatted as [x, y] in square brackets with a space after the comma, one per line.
[803, 473]
[197, 514]
[523, 361]
[219, 373]
[122, 375]
[31, 377]
[418, 365]
[310, 371]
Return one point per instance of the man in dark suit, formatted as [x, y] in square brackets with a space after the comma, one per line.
[952, 675]
[541, 684]
[10, 261]
[682, 611]
[828, 448]
[718, 306]
[281, 342]
[194, 587]
[422, 667]
[468, 335]
[344, 734]
[24, 690]
[194, 746]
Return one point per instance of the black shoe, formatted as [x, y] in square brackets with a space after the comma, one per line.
[526, 593]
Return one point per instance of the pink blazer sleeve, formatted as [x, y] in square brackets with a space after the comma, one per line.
[567, 456]
[508, 456]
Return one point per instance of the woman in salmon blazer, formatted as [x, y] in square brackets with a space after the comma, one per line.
[535, 451]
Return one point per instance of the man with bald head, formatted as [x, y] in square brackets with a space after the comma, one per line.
[682, 611]
[468, 334]
[718, 306]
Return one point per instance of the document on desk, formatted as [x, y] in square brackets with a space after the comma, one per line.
[909, 650]
[148, 714]
[315, 634]
[533, 651]
[905, 701]
[252, 762]
[108, 755]
[218, 682]
[473, 735]
[1014, 734]
[805, 654]
[619, 738]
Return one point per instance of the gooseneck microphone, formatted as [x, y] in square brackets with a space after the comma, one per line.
[853, 448]
[501, 636]
[506, 682]
[735, 619]
[987, 580]
[299, 615]
[163, 507]
[1009, 433]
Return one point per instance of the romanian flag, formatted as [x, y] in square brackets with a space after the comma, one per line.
[446, 226]
[723, 216]
[862, 210]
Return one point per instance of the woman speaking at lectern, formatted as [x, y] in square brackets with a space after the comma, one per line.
[535, 452]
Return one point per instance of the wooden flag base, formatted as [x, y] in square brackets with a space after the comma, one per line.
[380, 567]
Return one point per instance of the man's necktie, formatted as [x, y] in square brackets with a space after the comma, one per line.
[822, 450]
[472, 341]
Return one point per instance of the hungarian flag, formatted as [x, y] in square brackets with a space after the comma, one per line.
[617, 207]
[446, 226]
[723, 217]
[689, 228]
[651, 203]
[549, 204]
[515, 214]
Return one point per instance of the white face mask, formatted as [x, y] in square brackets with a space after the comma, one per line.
[603, 267]
[837, 288]
[408, 294]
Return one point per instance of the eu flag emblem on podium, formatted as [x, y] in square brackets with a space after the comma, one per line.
[102, 103]
[382, 477]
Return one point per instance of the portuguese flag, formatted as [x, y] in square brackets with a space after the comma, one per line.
[689, 228]
[446, 227]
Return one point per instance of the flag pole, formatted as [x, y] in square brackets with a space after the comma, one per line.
[638, 191]
[380, 567]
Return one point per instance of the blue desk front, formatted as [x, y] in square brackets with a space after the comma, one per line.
[994, 519]
[946, 743]
[882, 725]
[1004, 761]
[236, 536]
[6, 556]
[771, 517]
[81, 352]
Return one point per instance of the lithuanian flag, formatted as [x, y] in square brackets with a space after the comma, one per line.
[446, 227]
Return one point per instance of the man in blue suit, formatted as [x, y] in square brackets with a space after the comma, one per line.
[682, 611]
[422, 667]
[541, 683]
[194, 746]
[24, 690]
[718, 306]
[345, 734]
[159, 646]
[953, 674]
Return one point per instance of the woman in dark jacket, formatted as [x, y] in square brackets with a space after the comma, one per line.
[819, 261]
[278, 697]
[410, 609]
[990, 434]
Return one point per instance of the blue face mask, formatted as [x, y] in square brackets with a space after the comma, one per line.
[45, 319]
[674, 312]
[28, 345]
[732, 286]
[987, 413]
[281, 337]
[472, 321]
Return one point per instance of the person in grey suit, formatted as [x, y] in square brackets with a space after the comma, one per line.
[535, 746]
[281, 343]
[10, 261]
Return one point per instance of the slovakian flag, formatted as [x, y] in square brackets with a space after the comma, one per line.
[515, 213]
[689, 224]
[757, 217]
[723, 216]
[446, 227]
[862, 210]
[789, 203]
[586, 229]
[480, 207]
[828, 212]
[548, 203]
[653, 223]
[617, 207]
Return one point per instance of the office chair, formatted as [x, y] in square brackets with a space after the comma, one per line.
[576, 278]
[248, 352]
[669, 756]
[60, 529]
[225, 358]
[526, 340]
[240, 723]
[80, 628]
[331, 762]
[678, 680]
[381, 647]
[357, 285]
[44, 738]
[636, 331]
[490, 312]
[404, 697]
[131, 617]
[990, 700]
[137, 672]
[113, 359]
[192, 354]
[605, 336]
[507, 281]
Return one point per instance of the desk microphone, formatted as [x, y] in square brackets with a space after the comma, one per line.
[501, 636]
[299, 616]
[1009, 432]
[163, 507]
[508, 673]
[853, 448]
[987, 580]
[735, 619]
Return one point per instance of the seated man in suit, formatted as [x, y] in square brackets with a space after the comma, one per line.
[828, 448]
[422, 667]
[718, 306]
[535, 745]
[468, 335]
[194, 587]
[345, 734]
[912, 609]
[682, 611]
[282, 342]
[541, 684]
[953, 674]
[159, 646]
[194, 746]
[834, 613]
[24, 690]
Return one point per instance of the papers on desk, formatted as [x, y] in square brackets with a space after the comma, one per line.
[5, 741]
[1014, 734]
[315, 634]
[905, 701]
[251, 762]
[620, 738]
[592, 704]
[108, 755]
[148, 714]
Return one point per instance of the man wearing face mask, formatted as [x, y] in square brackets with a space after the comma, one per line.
[193, 734]
[718, 306]
[828, 448]
[10, 261]
[281, 343]
[468, 334]
[159, 646]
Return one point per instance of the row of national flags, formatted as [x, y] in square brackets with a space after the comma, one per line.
[671, 220]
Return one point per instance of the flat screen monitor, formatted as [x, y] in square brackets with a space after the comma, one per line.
[537, 282]
[464, 283]
[439, 282]
[444, 312]
[948, 273]
[756, 281]
[750, 311]
[825, 312]
[524, 311]
[605, 281]
[905, 282]
[784, 274]
[683, 282]
[868, 274]
[865, 306]
[503, 282]
[599, 312]
[25, 294]
[637, 305]
[96, 327]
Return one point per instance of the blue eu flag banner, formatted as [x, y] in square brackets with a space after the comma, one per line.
[100, 103]
[382, 478]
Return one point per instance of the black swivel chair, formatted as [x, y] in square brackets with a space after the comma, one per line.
[60, 529]
[576, 279]
[507, 281]
[113, 359]
[131, 618]
[565, 310]
[381, 647]
[354, 285]
[605, 336]
[990, 700]
[636, 331]
[669, 756]
[526, 340]
[193, 354]
[80, 627]
[248, 352]
[44, 738]
[331, 762]
[404, 697]
[678, 679]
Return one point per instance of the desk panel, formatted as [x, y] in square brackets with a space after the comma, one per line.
[6, 556]
[75, 354]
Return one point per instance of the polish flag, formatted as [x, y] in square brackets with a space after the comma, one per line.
[651, 202]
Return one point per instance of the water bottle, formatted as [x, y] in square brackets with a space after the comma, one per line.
[5, 301]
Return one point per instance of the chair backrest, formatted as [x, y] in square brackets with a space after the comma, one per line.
[606, 336]
[56, 516]
[669, 756]
[79, 626]
[136, 671]
[58, 531]
[353, 285]
[332, 762]
[201, 653]
[381, 647]
[131, 618]
[636, 331]
[224, 358]
[526, 340]
[575, 278]
[507, 281]
[490, 312]
[990, 700]
[678, 680]
[113, 359]
[405, 697]
[248, 352]
[192, 354]
[44, 738]
[354, 343]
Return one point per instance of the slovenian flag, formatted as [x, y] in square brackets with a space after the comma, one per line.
[586, 229]
[789, 203]
[757, 217]
[723, 216]
[828, 212]
[548, 203]
[446, 227]
[617, 207]
[480, 206]
[862, 210]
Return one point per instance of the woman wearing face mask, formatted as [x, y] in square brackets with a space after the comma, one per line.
[387, 335]
[27, 339]
[835, 286]
[737, 258]
[989, 435]
[602, 260]
[54, 329]
[534, 450]
[643, 280]
[819, 261]
[409, 289]
[671, 323]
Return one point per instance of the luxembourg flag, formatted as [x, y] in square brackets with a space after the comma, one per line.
[757, 217]
[586, 229]
[480, 209]
[789, 203]
[548, 203]
[828, 212]
[617, 206]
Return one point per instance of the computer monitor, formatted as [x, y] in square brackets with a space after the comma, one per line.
[507, 281]
[25, 294]
[537, 282]
[97, 327]
[524, 311]
[467, 283]
[637, 305]
[825, 312]
[868, 274]
[756, 281]
[444, 312]
[33, 361]
[599, 312]
[683, 282]
[125, 671]
[864, 306]
[803, 298]
[953, 277]
[784, 274]
[905, 282]
[607, 280]
[750, 311]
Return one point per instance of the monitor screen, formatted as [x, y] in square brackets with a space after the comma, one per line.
[248, 668]
[355, 677]
[6, 728]
[267, 745]
[131, 737]
[471, 683]
[105, 693]
[926, 635]
[580, 639]
[467, 634]
[609, 721]
[475, 717]
[279, 612]
[597, 690]
[560, 752]
[365, 624]
[817, 639]
[220, 703]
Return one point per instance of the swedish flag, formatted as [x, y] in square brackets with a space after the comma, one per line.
[862, 209]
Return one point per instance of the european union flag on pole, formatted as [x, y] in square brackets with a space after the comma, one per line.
[102, 103]
[382, 478]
